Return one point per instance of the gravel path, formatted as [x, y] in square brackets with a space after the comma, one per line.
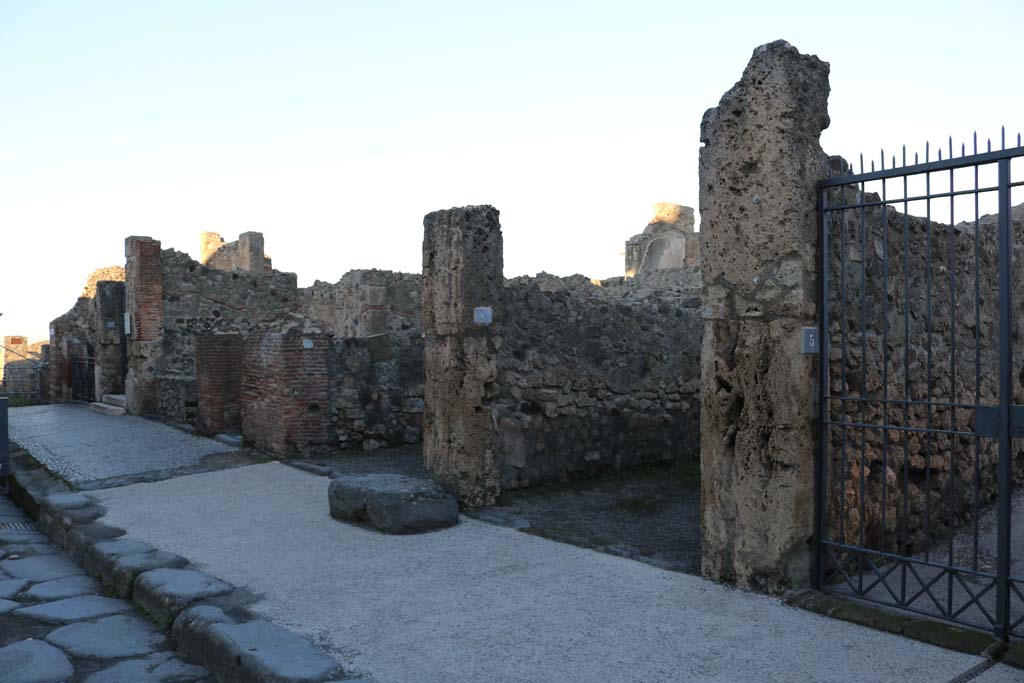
[479, 602]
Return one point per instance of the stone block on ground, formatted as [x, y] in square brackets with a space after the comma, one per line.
[121, 576]
[165, 592]
[11, 587]
[392, 503]
[33, 661]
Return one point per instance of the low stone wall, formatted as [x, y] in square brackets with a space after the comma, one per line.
[538, 378]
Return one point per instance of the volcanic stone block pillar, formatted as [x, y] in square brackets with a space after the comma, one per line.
[758, 168]
[110, 356]
[144, 302]
[462, 286]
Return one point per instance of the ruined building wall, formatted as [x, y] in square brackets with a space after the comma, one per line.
[92, 328]
[19, 365]
[759, 165]
[668, 242]
[376, 356]
[173, 301]
[886, 304]
[246, 253]
[564, 377]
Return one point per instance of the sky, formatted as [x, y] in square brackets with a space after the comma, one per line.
[333, 127]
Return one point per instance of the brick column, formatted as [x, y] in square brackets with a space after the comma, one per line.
[462, 272]
[758, 168]
[144, 301]
[219, 382]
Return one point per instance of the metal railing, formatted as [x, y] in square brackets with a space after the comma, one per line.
[916, 389]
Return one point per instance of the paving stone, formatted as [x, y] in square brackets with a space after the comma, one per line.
[16, 551]
[108, 638]
[8, 606]
[98, 559]
[40, 568]
[157, 668]
[392, 503]
[74, 609]
[33, 661]
[11, 587]
[165, 592]
[121, 576]
[58, 589]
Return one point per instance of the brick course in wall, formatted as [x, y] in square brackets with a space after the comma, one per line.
[219, 374]
[286, 388]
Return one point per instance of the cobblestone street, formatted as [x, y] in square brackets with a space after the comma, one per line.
[56, 624]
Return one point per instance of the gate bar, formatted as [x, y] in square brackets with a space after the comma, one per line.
[823, 392]
[1003, 620]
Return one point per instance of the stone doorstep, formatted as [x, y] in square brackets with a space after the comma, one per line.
[238, 648]
[918, 627]
[107, 409]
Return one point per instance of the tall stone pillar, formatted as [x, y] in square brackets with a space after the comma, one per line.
[144, 302]
[758, 168]
[462, 286]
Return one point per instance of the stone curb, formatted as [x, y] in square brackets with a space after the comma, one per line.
[205, 615]
[917, 627]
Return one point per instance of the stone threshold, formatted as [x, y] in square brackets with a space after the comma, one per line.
[917, 627]
[205, 616]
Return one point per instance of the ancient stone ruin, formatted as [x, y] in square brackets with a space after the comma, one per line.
[694, 352]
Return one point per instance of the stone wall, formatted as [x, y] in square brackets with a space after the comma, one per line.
[173, 300]
[364, 303]
[759, 166]
[565, 377]
[20, 366]
[93, 328]
[219, 359]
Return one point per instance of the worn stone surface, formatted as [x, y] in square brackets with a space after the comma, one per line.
[8, 606]
[33, 661]
[758, 168]
[121, 575]
[165, 592]
[74, 609]
[40, 568]
[11, 587]
[108, 638]
[251, 652]
[157, 668]
[58, 589]
[391, 503]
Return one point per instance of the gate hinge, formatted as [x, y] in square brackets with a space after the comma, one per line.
[986, 421]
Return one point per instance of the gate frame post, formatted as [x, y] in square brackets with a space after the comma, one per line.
[821, 475]
[1005, 478]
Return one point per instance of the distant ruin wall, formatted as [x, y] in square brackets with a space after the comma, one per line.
[246, 253]
[535, 378]
[365, 303]
[668, 242]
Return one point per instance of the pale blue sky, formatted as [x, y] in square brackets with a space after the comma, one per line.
[332, 127]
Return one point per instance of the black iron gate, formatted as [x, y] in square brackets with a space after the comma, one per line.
[83, 378]
[921, 386]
